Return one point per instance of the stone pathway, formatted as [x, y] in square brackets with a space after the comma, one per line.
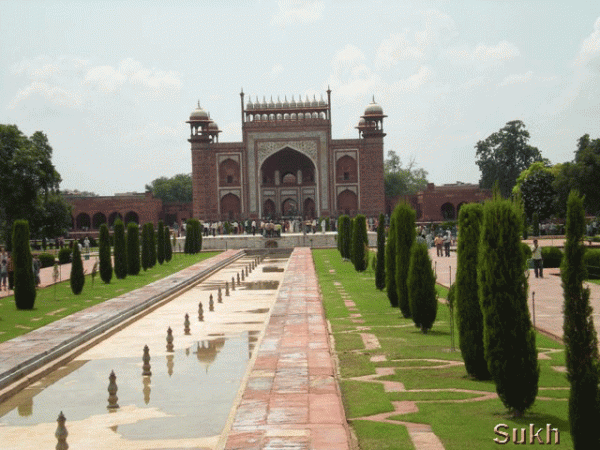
[291, 399]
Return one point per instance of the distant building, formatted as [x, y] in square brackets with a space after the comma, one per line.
[287, 164]
[441, 203]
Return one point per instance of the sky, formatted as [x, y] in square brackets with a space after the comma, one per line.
[111, 83]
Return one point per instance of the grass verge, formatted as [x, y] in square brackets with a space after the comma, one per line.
[57, 301]
[431, 373]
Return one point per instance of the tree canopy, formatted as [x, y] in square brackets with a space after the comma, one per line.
[535, 186]
[401, 180]
[178, 188]
[503, 155]
[30, 182]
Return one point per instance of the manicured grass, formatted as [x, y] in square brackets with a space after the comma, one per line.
[458, 422]
[57, 301]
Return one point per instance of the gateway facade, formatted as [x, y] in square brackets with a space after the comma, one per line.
[287, 164]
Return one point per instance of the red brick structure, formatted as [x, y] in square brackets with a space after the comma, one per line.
[287, 163]
[441, 203]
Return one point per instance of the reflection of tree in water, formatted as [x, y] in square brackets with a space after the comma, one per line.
[208, 351]
[26, 408]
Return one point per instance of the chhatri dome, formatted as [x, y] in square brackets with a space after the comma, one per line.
[373, 109]
[199, 113]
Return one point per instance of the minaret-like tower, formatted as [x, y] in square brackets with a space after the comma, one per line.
[203, 132]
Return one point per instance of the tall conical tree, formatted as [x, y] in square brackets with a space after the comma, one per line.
[360, 242]
[77, 279]
[581, 341]
[160, 242]
[508, 336]
[133, 248]
[422, 295]
[189, 237]
[120, 250]
[152, 248]
[106, 269]
[405, 237]
[468, 312]
[390, 264]
[380, 272]
[344, 235]
[146, 242]
[167, 241]
[24, 282]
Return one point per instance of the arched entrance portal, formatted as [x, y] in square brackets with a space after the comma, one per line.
[269, 209]
[231, 206]
[287, 177]
[347, 202]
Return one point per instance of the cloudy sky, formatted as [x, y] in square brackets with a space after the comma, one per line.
[112, 83]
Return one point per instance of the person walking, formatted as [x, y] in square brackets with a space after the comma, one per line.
[447, 242]
[538, 263]
[438, 245]
[4, 271]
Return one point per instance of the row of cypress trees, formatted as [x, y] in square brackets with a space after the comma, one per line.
[193, 237]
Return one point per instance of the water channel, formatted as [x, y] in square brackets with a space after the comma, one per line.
[185, 403]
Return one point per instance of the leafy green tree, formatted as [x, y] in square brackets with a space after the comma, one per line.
[133, 249]
[390, 263]
[146, 243]
[400, 180]
[535, 187]
[422, 295]
[360, 242]
[581, 341]
[77, 279]
[24, 282]
[175, 189]
[120, 251]
[167, 241]
[466, 298]
[380, 265]
[160, 242]
[508, 336]
[106, 270]
[405, 237]
[29, 187]
[503, 155]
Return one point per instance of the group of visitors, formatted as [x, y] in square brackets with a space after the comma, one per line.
[442, 243]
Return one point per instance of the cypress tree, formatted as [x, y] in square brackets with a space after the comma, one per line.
[508, 337]
[350, 243]
[422, 295]
[145, 247]
[468, 312]
[405, 237]
[77, 276]
[536, 223]
[360, 243]
[160, 242]
[189, 237]
[24, 282]
[153, 246]
[581, 341]
[133, 248]
[198, 236]
[167, 242]
[340, 241]
[380, 264]
[347, 231]
[390, 264]
[104, 254]
[120, 251]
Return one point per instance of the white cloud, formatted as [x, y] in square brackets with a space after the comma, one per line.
[590, 48]
[517, 79]
[395, 49]
[439, 29]
[415, 81]
[484, 54]
[54, 94]
[297, 11]
[276, 71]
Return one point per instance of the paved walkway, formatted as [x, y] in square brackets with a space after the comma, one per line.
[547, 292]
[292, 399]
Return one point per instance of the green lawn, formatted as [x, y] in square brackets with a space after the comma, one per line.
[57, 301]
[431, 372]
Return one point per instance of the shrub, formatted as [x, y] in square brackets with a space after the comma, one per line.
[24, 282]
[405, 237]
[591, 259]
[120, 251]
[77, 276]
[104, 254]
[527, 253]
[160, 242]
[64, 255]
[359, 242]
[508, 337]
[552, 257]
[420, 282]
[46, 259]
[133, 249]
[380, 257]
[468, 312]
[581, 341]
[167, 241]
[390, 264]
